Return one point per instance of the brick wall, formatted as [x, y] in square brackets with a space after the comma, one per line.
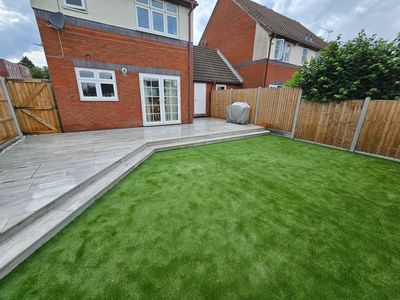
[253, 75]
[232, 31]
[92, 45]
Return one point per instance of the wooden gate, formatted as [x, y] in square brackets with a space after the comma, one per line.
[34, 106]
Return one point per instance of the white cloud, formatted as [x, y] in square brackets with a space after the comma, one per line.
[9, 17]
[35, 54]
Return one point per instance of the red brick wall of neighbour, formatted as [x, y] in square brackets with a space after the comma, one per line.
[232, 31]
[92, 45]
[253, 75]
[280, 73]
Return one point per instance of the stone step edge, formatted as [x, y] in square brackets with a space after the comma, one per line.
[19, 226]
[88, 196]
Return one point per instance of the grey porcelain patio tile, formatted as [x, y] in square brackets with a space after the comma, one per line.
[19, 173]
[68, 160]
[12, 188]
[11, 222]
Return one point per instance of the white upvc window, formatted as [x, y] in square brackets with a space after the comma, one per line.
[157, 17]
[275, 85]
[304, 56]
[96, 85]
[220, 87]
[75, 4]
[282, 50]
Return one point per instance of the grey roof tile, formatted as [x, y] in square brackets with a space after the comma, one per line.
[281, 25]
[209, 66]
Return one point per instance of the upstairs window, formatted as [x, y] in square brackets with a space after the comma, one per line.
[304, 56]
[96, 85]
[282, 50]
[76, 4]
[157, 16]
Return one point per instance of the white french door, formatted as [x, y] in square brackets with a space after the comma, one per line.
[161, 99]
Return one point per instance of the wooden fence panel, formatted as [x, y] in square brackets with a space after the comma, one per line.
[8, 130]
[34, 106]
[380, 133]
[277, 108]
[331, 124]
[221, 99]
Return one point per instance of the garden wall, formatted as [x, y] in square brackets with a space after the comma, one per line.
[371, 126]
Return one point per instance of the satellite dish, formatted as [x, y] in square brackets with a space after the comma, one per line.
[57, 20]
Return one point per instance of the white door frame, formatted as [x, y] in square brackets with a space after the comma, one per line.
[160, 79]
[204, 87]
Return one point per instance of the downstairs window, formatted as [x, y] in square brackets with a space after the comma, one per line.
[96, 85]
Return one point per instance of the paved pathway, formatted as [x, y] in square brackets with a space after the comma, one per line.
[39, 169]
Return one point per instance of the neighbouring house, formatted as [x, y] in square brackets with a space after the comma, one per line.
[265, 47]
[117, 64]
[212, 71]
[12, 70]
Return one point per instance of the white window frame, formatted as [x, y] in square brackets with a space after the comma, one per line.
[304, 56]
[150, 9]
[223, 86]
[162, 99]
[275, 85]
[81, 8]
[281, 52]
[96, 80]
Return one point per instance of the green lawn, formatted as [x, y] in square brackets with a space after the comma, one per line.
[262, 218]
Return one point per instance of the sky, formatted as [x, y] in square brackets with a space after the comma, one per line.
[19, 33]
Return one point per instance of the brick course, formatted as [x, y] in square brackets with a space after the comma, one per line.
[93, 45]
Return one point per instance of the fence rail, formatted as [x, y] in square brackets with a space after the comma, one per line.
[333, 124]
[9, 129]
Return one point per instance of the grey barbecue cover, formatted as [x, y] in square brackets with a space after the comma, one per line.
[238, 112]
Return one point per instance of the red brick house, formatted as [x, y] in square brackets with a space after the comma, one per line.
[117, 64]
[12, 70]
[266, 48]
[212, 71]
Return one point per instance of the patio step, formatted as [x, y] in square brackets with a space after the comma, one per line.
[28, 238]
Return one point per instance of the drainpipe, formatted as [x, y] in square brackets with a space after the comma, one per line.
[268, 56]
[190, 61]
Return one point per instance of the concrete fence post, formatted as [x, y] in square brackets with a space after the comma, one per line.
[3, 87]
[257, 105]
[296, 114]
[360, 123]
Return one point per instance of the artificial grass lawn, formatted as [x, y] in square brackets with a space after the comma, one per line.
[259, 218]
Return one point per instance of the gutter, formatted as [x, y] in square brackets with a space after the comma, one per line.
[190, 60]
[271, 37]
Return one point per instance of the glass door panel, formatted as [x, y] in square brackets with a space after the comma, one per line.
[152, 100]
[171, 100]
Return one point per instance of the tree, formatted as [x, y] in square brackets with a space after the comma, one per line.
[359, 68]
[37, 72]
[25, 61]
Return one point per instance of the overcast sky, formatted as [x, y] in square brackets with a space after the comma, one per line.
[19, 33]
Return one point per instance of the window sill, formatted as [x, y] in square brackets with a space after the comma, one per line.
[83, 11]
[99, 100]
[157, 33]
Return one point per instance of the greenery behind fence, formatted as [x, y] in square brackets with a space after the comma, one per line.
[359, 68]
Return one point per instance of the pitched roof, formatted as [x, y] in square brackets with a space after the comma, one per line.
[281, 25]
[211, 66]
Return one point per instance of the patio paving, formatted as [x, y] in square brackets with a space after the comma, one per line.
[40, 169]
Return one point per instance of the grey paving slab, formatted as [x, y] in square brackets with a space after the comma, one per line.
[41, 169]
